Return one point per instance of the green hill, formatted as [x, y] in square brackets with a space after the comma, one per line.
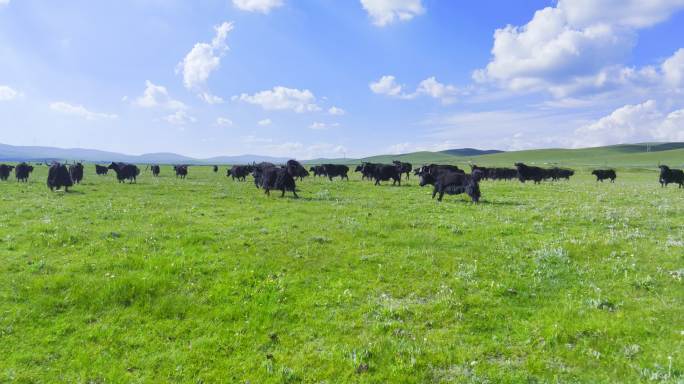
[628, 155]
[615, 156]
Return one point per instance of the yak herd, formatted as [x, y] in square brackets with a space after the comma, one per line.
[445, 179]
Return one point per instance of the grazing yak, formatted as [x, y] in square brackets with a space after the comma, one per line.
[76, 172]
[451, 182]
[668, 176]
[318, 170]
[385, 172]
[496, 173]
[239, 172]
[125, 172]
[604, 174]
[101, 170]
[23, 171]
[335, 170]
[403, 168]
[526, 173]
[300, 172]
[58, 177]
[155, 170]
[278, 178]
[5, 171]
[181, 171]
[560, 173]
[215, 168]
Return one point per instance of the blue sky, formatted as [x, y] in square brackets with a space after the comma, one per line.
[313, 78]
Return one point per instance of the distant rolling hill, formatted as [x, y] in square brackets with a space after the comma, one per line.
[47, 154]
[470, 152]
[623, 155]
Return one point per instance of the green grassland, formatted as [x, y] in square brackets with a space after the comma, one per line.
[208, 280]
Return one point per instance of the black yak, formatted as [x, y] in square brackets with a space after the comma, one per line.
[560, 173]
[125, 172]
[335, 170]
[604, 174]
[385, 172]
[367, 170]
[76, 172]
[536, 174]
[279, 178]
[181, 171]
[669, 176]
[5, 171]
[239, 172]
[317, 170]
[22, 172]
[156, 170]
[58, 177]
[452, 183]
[403, 168]
[101, 170]
[215, 168]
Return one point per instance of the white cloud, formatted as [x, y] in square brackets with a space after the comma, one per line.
[431, 87]
[263, 6]
[265, 122]
[180, 117]
[7, 93]
[202, 60]
[317, 125]
[335, 111]
[282, 98]
[80, 111]
[633, 123]
[387, 85]
[384, 12]
[210, 99]
[224, 122]
[673, 69]
[156, 96]
[4, 2]
[574, 46]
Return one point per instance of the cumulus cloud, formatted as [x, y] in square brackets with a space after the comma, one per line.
[224, 122]
[576, 45]
[7, 93]
[265, 122]
[673, 69]
[633, 123]
[180, 117]
[282, 98]
[431, 87]
[80, 111]
[384, 12]
[387, 85]
[335, 111]
[202, 60]
[263, 6]
[157, 96]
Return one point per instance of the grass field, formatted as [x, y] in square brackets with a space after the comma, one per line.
[207, 280]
